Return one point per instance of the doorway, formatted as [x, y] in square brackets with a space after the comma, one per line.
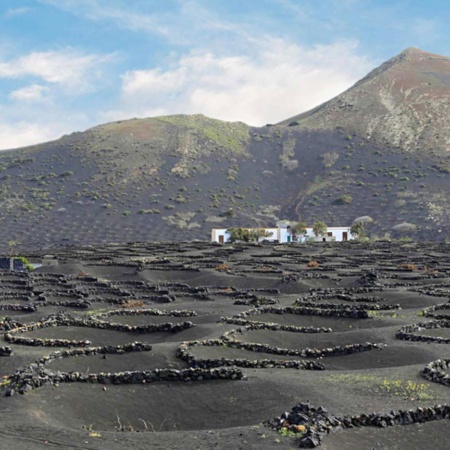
[221, 238]
[345, 236]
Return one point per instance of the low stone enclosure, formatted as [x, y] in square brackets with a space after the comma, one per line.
[64, 320]
[438, 371]
[332, 311]
[38, 375]
[310, 423]
[412, 332]
[441, 311]
[185, 354]
[354, 298]
[229, 339]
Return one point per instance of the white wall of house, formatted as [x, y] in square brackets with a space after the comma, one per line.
[333, 234]
[220, 235]
[274, 237]
[336, 234]
[283, 235]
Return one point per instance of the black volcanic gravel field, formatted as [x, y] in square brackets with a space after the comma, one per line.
[201, 346]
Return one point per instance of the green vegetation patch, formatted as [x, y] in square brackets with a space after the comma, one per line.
[383, 386]
[232, 136]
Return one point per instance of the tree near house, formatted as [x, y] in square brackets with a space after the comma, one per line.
[319, 228]
[297, 229]
[246, 235]
[358, 230]
[236, 234]
[255, 235]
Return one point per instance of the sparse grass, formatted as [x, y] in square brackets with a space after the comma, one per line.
[407, 389]
[231, 136]
[149, 211]
[382, 314]
[408, 266]
[293, 431]
[344, 200]
[313, 264]
[5, 382]
[94, 434]
[133, 304]
[329, 159]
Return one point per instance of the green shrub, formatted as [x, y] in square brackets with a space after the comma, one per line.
[344, 200]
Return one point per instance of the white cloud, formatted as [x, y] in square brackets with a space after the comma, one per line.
[179, 22]
[67, 68]
[281, 80]
[20, 134]
[56, 80]
[113, 11]
[14, 12]
[31, 93]
[23, 124]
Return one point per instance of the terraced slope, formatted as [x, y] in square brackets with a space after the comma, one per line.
[195, 345]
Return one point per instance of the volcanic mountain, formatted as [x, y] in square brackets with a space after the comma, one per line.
[379, 149]
[405, 102]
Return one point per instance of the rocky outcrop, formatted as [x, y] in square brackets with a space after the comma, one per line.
[438, 371]
[5, 351]
[310, 423]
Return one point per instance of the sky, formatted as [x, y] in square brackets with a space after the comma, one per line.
[68, 65]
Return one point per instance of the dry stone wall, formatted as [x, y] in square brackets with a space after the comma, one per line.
[311, 423]
[412, 332]
[438, 371]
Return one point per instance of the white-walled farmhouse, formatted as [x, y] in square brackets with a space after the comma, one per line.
[282, 234]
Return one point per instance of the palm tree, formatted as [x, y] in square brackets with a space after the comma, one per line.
[319, 228]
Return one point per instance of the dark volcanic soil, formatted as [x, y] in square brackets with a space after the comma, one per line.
[160, 284]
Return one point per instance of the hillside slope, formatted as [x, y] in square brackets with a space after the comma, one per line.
[176, 177]
[405, 102]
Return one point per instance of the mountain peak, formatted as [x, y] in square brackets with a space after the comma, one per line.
[417, 52]
[413, 51]
[404, 101]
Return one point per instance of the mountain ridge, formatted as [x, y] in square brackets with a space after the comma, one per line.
[176, 177]
[404, 102]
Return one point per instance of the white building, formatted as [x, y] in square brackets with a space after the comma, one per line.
[220, 234]
[282, 234]
[337, 234]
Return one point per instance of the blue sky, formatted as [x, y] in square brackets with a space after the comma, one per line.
[67, 65]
